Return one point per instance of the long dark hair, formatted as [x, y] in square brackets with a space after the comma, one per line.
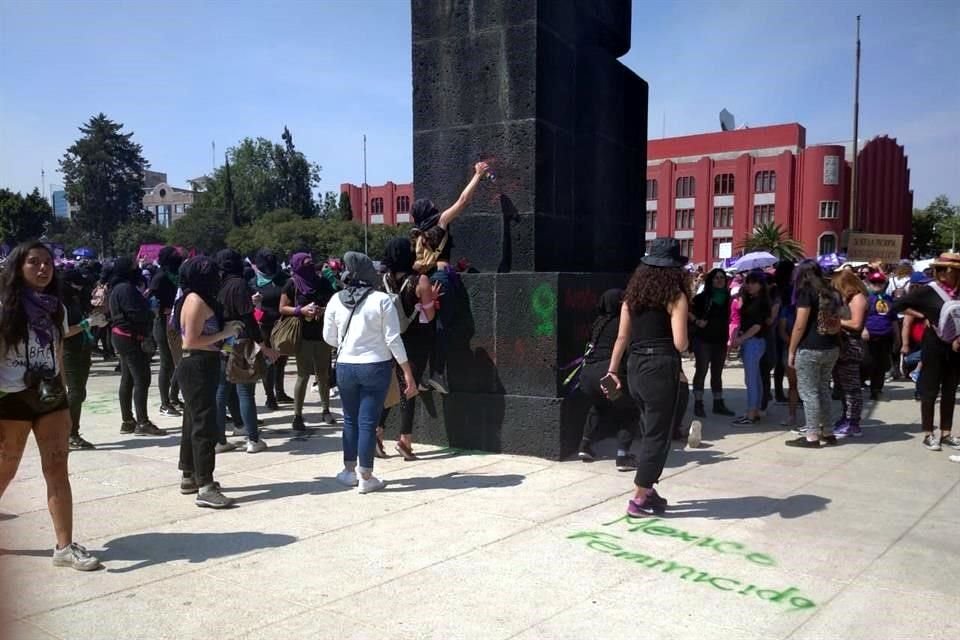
[656, 287]
[13, 317]
[708, 283]
[808, 276]
[608, 310]
[762, 297]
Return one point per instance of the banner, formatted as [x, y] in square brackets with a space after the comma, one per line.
[869, 247]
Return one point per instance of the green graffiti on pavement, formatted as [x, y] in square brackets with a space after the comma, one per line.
[544, 303]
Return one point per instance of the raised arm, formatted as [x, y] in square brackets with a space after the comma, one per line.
[479, 170]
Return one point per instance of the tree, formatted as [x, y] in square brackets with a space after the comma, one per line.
[772, 237]
[23, 218]
[135, 232]
[262, 176]
[935, 228]
[202, 229]
[346, 212]
[103, 175]
[329, 209]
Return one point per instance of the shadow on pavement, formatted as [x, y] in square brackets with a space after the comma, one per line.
[453, 481]
[276, 490]
[745, 507]
[148, 549]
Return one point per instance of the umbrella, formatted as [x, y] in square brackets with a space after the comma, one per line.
[923, 265]
[755, 260]
[829, 261]
[84, 252]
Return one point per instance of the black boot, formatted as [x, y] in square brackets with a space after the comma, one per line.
[698, 409]
[720, 408]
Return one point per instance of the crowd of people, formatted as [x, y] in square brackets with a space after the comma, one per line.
[220, 325]
[829, 334]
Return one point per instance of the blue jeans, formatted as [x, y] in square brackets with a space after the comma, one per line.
[363, 388]
[247, 402]
[753, 350]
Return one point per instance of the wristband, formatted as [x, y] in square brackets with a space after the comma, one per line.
[297, 311]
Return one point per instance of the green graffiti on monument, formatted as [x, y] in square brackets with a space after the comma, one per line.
[544, 304]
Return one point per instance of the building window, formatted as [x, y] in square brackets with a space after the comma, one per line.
[686, 187]
[178, 208]
[651, 189]
[403, 204]
[686, 247]
[762, 214]
[716, 246]
[829, 209]
[376, 205]
[827, 244]
[163, 215]
[723, 217]
[684, 219]
[723, 184]
[652, 220]
[765, 182]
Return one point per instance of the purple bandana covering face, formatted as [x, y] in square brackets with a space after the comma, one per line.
[40, 308]
[304, 275]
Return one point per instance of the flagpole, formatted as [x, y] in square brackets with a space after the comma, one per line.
[366, 196]
[856, 123]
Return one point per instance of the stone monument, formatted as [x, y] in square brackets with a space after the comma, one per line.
[535, 88]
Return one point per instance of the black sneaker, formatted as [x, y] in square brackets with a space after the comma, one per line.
[148, 429]
[169, 411]
[931, 442]
[283, 398]
[828, 441]
[327, 418]
[272, 405]
[803, 443]
[951, 441]
[178, 405]
[298, 424]
[77, 443]
[627, 463]
[128, 427]
[659, 502]
[188, 485]
[585, 452]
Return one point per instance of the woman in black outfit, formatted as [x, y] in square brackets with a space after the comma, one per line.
[417, 302]
[163, 287]
[603, 412]
[711, 316]
[132, 321]
[940, 360]
[268, 281]
[653, 321]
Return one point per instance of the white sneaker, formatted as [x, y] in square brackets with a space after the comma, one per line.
[256, 447]
[347, 478]
[696, 434]
[954, 458]
[371, 485]
[239, 432]
[76, 557]
[225, 447]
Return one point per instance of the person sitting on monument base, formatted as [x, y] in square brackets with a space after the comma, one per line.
[432, 242]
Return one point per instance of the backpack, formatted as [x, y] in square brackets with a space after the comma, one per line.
[948, 328]
[406, 319]
[98, 298]
[427, 256]
[831, 310]
[900, 287]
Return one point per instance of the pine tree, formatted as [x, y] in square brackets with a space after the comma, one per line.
[103, 175]
[346, 212]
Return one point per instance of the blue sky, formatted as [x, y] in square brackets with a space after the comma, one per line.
[181, 74]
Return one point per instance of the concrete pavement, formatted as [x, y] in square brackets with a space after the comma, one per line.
[762, 541]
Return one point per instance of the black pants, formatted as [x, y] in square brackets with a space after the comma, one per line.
[167, 379]
[683, 401]
[273, 377]
[876, 361]
[767, 363]
[76, 369]
[604, 414]
[134, 378]
[418, 344]
[939, 376]
[896, 358]
[654, 384]
[780, 367]
[713, 356]
[199, 373]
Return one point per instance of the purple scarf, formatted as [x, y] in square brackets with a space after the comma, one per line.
[40, 308]
[304, 275]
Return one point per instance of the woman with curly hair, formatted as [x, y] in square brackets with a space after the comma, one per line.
[33, 398]
[846, 373]
[653, 322]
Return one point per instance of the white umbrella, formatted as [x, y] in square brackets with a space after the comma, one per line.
[755, 260]
[923, 265]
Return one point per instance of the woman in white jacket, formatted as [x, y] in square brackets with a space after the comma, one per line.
[363, 325]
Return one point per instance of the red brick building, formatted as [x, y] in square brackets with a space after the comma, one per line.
[387, 204]
[713, 188]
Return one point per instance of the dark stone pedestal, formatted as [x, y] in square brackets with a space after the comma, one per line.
[535, 88]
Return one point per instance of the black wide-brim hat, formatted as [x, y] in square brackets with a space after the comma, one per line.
[665, 252]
